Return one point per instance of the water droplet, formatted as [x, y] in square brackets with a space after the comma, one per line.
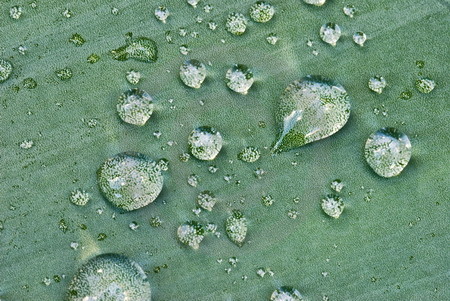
[206, 200]
[29, 83]
[133, 77]
[425, 85]
[359, 38]
[198, 19]
[272, 39]
[114, 11]
[93, 58]
[79, 197]
[133, 226]
[249, 154]
[67, 13]
[406, 95]
[74, 245]
[15, 12]
[207, 8]
[420, 64]
[310, 109]
[46, 281]
[286, 293]
[193, 180]
[184, 49]
[77, 39]
[337, 185]
[64, 74]
[155, 221]
[212, 169]
[236, 227]
[261, 12]
[330, 33]
[135, 106]
[163, 164]
[377, 84]
[239, 78]
[193, 73]
[184, 157]
[205, 143]
[193, 3]
[236, 23]
[292, 213]
[332, 205]
[162, 13]
[26, 144]
[130, 180]
[267, 200]
[22, 49]
[110, 277]
[212, 25]
[388, 152]
[62, 225]
[141, 49]
[349, 10]
[191, 233]
[5, 70]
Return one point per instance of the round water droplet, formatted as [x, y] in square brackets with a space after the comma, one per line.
[286, 293]
[332, 205]
[205, 143]
[110, 277]
[388, 152]
[193, 73]
[5, 70]
[162, 13]
[239, 78]
[130, 180]
[249, 154]
[272, 39]
[377, 84]
[206, 200]
[236, 227]
[261, 11]
[135, 106]
[79, 197]
[236, 24]
[349, 10]
[359, 38]
[133, 77]
[191, 233]
[425, 85]
[310, 109]
[330, 33]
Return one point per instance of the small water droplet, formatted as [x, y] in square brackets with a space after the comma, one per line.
[286, 293]
[425, 85]
[337, 185]
[133, 226]
[236, 23]
[26, 144]
[5, 70]
[359, 38]
[205, 143]
[261, 12]
[93, 58]
[29, 83]
[184, 157]
[155, 221]
[387, 152]
[332, 205]
[420, 64]
[267, 200]
[109, 277]
[79, 197]
[67, 13]
[236, 227]
[206, 199]
[377, 84]
[310, 109]
[135, 106]
[330, 33]
[191, 233]
[193, 73]
[114, 11]
[130, 180]
[64, 74]
[22, 49]
[239, 78]
[133, 77]
[292, 213]
[272, 39]
[162, 13]
[15, 12]
[249, 154]
[212, 25]
[77, 39]
[193, 180]
[349, 10]
[184, 49]
[193, 3]
[406, 95]
[74, 245]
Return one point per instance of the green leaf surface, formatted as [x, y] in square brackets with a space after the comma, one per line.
[393, 246]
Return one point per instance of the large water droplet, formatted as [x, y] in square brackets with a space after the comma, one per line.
[286, 293]
[310, 109]
[130, 180]
[261, 11]
[135, 106]
[236, 227]
[110, 277]
[191, 233]
[141, 49]
[205, 143]
[332, 205]
[239, 78]
[193, 73]
[236, 24]
[388, 152]
[330, 33]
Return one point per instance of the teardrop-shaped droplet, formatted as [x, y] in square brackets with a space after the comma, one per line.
[388, 152]
[236, 227]
[310, 109]
[193, 73]
[110, 277]
[286, 293]
[135, 106]
[130, 180]
[205, 143]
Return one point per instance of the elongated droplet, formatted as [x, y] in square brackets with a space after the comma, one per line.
[193, 73]
[135, 106]
[141, 49]
[388, 152]
[310, 109]
[130, 180]
[191, 233]
[330, 33]
[286, 293]
[205, 143]
[110, 277]
[236, 227]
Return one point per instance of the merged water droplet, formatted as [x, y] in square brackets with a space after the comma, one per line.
[205, 143]
[310, 109]
[377, 84]
[236, 23]
[236, 227]
[332, 205]
[206, 199]
[141, 49]
[110, 277]
[130, 180]
[193, 73]
[191, 233]
[162, 13]
[5, 70]
[135, 106]
[425, 85]
[388, 151]
[286, 293]
[359, 38]
[239, 78]
[330, 33]
[261, 11]
[249, 154]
